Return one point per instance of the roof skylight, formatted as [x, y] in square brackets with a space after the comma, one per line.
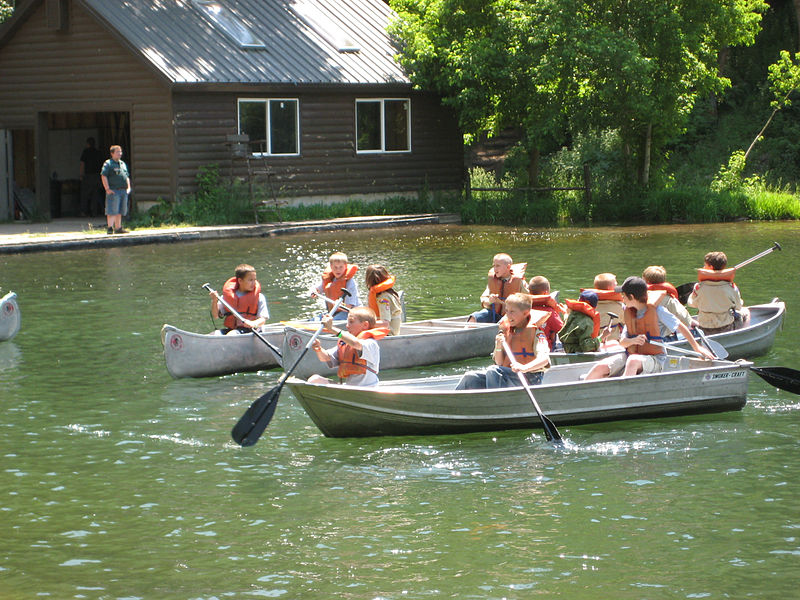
[325, 26]
[229, 23]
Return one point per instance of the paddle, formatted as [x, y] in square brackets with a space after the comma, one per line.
[256, 418]
[274, 350]
[549, 428]
[717, 349]
[780, 377]
[686, 289]
[329, 301]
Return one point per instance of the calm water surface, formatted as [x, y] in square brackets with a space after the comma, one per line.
[119, 482]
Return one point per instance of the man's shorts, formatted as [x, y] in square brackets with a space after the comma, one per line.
[650, 363]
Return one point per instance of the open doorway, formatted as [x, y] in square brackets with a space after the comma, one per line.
[53, 176]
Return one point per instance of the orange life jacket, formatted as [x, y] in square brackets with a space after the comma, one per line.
[505, 288]
[667, 287]
[246, 305]
[350, 363]
[546, 300]
[377, 289]
[605, 294]
[647, 325]
[588, 310]
[332, 286]
[523, 341]
[712, 275]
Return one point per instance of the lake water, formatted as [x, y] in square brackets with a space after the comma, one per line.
[119, 482]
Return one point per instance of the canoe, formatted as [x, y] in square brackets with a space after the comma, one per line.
[432, 406]
[10, 317]
[754, 340]
[419, 343]
[190, 354]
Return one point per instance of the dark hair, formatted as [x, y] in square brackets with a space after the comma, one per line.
[716, 260]
[375, 275]
[636, 287]
[242, 271]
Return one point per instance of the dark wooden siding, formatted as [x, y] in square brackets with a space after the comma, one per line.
[86, 69]
[328, 164]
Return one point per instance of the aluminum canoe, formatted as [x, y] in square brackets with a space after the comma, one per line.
[10, 317]
[750, 341]
[432, 406]
[190, 354]
[419, 343]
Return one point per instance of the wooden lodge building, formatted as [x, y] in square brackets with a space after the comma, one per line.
[312, 83]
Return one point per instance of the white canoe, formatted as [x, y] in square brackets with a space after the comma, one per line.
[419, 343]
[190, 354]
[432, 405]
[753, 340]
[10, 317]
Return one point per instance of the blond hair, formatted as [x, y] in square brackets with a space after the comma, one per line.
[604, 281]
[337, 256]
[539, 285]
[519, 301]
[363, 314]
[655, 274]
[503, 257]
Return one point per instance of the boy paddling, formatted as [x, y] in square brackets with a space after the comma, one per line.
[643, 322]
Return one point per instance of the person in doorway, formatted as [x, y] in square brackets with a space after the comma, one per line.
[243, 293]
[383, 299]
[521, 329]
[91, 186]
[644, 322]
[117, 184]
[357, 353]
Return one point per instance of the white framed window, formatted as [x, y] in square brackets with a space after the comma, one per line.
[272, 124]
[383, 125]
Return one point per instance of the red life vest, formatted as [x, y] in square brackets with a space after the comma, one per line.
[605, 294]
[246, 305]
[647, 325]
[350, 363]
[505, 288]
[332, 286]
[522, 341]
[546, 301]
[712, 275]
[377, 289]
[588, 310]
[667, 287]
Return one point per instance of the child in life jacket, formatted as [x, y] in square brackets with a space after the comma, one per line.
[520, 328]
[339, 274]
[717, 299]
[383, 299]
[505, 278]
[581, 331]
[541, 299]
[608, 300]
[643, 322]
[242, 292]
[357, 353]
[656, 278]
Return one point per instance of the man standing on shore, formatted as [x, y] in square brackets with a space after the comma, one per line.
[117, 184]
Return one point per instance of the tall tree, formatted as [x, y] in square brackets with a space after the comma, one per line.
[636, 66]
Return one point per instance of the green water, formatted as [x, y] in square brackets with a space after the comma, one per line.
[119, 482]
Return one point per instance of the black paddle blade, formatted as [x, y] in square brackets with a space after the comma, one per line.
[780, 377]
[256, 418]
[684, 291]
[550, 431]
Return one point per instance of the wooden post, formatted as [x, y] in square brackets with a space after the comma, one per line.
[587, 185]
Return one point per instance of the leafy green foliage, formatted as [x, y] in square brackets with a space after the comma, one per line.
[6, 10]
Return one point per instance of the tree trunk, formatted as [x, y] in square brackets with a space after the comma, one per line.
[533, 167]
[797, 20]
[644, 170]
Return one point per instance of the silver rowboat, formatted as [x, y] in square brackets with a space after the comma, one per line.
[432, 406]
[10, 317]
[190, 354]
[419, 343]
[753, 340]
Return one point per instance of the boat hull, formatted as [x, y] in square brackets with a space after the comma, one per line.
[748, 342]
[419, 343]
[10, 317]
[432, 406]
[190, 354]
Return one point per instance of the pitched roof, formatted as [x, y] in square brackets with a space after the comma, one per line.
[184, 44]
